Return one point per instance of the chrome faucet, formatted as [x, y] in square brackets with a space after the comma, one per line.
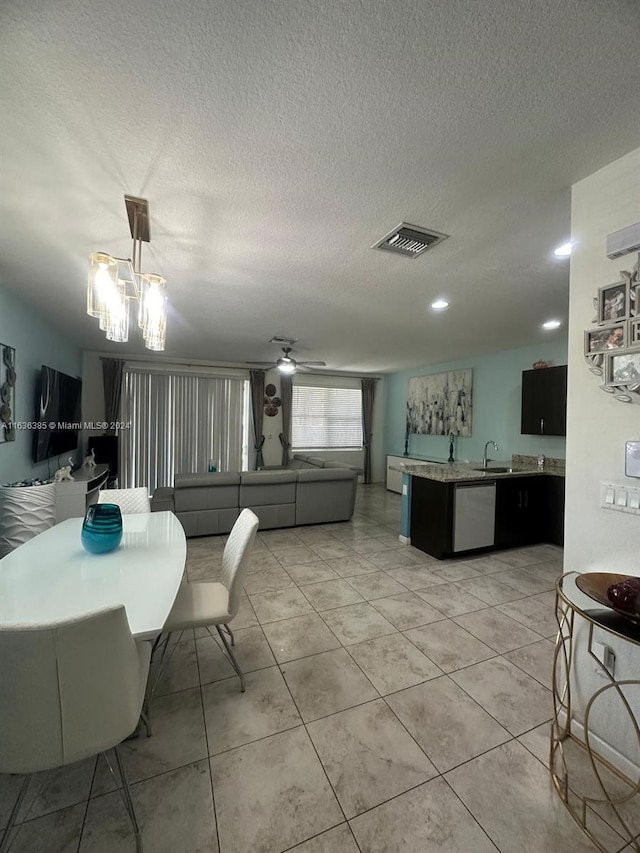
[484, 458]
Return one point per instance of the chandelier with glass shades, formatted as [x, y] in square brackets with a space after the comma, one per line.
[109, 292]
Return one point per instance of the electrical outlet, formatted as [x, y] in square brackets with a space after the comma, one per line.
[607, 658]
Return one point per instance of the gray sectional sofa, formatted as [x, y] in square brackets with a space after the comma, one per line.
[304, 493]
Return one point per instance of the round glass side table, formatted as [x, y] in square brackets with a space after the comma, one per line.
[604, 801]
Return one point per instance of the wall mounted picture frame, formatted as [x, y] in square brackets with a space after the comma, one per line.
[634, 333]
[623, 368]
[606, 338]
[613, 302]
[441, 403]
[7, 393]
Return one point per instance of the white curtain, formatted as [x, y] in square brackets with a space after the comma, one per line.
[178, 422]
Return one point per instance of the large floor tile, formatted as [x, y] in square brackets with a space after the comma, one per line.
[245, 617]
[428, 819]
[498, 631]
[525, 582]
[519, 557]
[490, 590]
[58, 832]
[449, 726]
[536, 660]
[532, 613]
[272, 795]
[251, 649]
[407, 610]
[264, 580]
[395, 559]
[368, 756]
[451, 600]
[57, 789]
[357, 622]
[325, 683]
[355, 564]
[454, 571]
[234, 718]
[512, 796]
[376, 585]
[311, 573]
[517, 701]
[331, 550]
[300, 637]
[280, 604]
[487, 564]
[178, 739]
[392, 663]
[416, 576]
[174, 810]
[448, 645]
[294, 555]
[370, 546]
[181, 671]
[337, 840]
[331, 594]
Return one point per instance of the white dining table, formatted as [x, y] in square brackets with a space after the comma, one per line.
[52, 578]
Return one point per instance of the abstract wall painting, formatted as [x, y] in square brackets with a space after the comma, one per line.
[441, 403]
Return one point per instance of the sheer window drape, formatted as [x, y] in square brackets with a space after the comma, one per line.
[178, 423]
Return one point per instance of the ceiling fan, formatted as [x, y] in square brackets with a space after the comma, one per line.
[287, 364]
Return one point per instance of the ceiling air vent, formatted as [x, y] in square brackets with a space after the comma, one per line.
[409, 240]
[287, 342]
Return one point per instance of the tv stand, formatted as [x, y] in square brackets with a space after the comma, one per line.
[74, 496]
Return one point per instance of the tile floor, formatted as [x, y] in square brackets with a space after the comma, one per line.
[393, 703]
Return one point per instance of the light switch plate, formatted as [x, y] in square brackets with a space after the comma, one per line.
[632, 459]
[619, 498]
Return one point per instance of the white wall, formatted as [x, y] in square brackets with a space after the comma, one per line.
[598, 425]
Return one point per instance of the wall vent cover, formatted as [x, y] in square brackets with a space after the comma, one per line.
[409, 240]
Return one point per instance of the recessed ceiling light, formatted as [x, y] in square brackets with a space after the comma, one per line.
[440, 305]
[564, 250]
[552, 324]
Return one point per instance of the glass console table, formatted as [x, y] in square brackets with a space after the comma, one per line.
[601, 799]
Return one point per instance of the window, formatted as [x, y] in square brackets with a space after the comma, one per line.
[324, 418]
[178, 423]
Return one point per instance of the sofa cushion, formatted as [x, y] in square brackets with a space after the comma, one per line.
[163, 500]
[195, 492]
[267, 488]
[309, 475]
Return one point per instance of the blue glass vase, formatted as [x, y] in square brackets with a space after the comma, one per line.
[102, 528]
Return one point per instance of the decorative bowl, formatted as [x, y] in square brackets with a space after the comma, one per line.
[596, 584]
[102, 528]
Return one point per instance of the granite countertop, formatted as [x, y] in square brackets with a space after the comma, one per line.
[449, 472]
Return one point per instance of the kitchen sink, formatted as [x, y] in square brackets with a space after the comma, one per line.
[496, 470]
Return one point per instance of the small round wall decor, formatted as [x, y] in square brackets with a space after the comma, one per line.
[271, 402]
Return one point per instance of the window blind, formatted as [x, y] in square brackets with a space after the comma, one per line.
[178, 423]
[324, 418]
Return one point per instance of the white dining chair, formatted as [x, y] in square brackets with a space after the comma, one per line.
[129, 500]
[70, 690]
[205, 604]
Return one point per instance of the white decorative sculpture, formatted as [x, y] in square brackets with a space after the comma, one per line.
[62, 474]
[90, 459]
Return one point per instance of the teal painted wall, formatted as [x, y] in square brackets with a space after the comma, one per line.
[497, 383]
[36, 343]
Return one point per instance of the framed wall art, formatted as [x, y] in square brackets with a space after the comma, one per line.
[606, 338]
[613, 302]
[441, 403]
[7, 393]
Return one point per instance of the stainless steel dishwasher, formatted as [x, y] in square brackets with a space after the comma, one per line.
[474, 516]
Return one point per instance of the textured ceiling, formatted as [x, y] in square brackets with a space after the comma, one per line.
[276, 141]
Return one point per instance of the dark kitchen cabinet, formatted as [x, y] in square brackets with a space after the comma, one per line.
[521, 511]
[432, 516]
[544, 401]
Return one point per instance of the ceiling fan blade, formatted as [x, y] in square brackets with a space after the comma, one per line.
[312, 364]
[260, 363]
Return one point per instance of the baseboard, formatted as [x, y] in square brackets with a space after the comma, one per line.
[616, 759]
[406, 540]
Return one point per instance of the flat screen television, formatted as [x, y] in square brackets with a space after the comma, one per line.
[57, 414]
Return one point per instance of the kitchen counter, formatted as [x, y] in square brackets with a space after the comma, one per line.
[464, 472]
